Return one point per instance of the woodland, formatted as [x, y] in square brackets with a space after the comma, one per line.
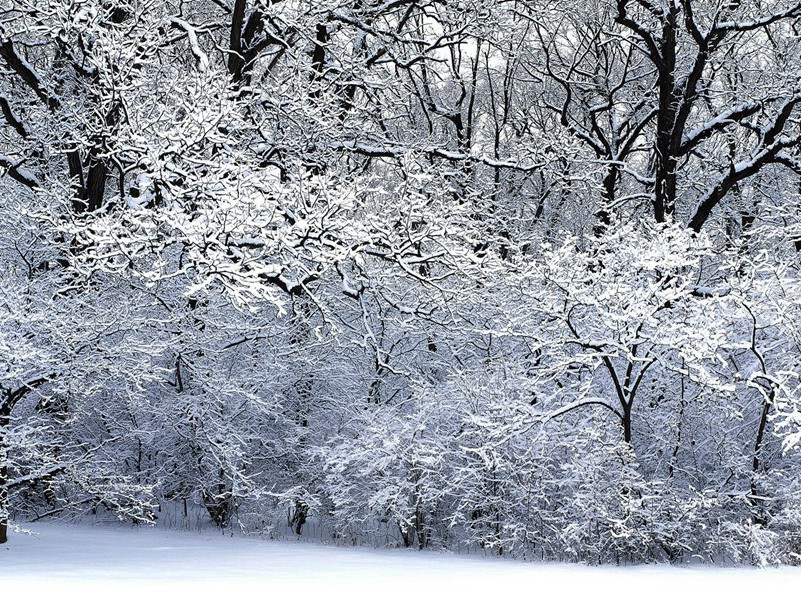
[521, 276]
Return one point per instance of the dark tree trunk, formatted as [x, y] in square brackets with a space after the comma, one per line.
[5, 411]
[219, 501]
[604, 214]
[759, 517]
[236, 61]
[627, 426]
[298, 519]
[666, 152]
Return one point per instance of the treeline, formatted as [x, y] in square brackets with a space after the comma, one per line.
[519, 275]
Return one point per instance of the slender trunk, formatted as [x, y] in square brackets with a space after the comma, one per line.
[763, 420]
[677, 446]
[303, 391]
[4, 500]
[627, 425]
[418, 520]
[759, 517]
[797, 241]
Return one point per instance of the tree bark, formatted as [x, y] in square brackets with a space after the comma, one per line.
[759, 516]
[236, 62]
[666, 159]
[5, 410]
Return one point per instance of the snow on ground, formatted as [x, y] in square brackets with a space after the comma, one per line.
[119, 562]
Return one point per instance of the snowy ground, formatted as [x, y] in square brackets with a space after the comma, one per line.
[119, 562]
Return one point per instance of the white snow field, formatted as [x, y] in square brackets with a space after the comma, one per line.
[119, 562]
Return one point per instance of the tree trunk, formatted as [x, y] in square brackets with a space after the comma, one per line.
[627, 426]
[666, 159]
[759, 516]
[219, 501]
[236, 62]
[604, 214]
[4, 500]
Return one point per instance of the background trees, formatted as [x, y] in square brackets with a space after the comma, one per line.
[518, 275]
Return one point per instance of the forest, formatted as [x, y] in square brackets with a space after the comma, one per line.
[521, 276]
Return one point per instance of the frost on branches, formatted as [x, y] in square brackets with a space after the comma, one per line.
[521, 277]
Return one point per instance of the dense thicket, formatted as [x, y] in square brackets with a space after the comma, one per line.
[522, 275]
